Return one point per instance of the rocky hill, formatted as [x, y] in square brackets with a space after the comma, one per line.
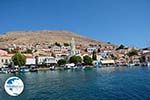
[49, 37]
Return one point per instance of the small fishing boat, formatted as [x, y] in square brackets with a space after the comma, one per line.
[69, 66]
[24, 69]
[33, 69]
[148, 64]
[87, 67]
[13, 70]
[131, 64]
[5, 70]
[52, 68]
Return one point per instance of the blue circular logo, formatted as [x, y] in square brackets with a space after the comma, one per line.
[14, 86]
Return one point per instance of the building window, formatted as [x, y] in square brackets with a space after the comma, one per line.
[148, 58]
[6, 61]
[2, 60]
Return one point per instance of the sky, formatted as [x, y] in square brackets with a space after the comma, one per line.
[117, 21]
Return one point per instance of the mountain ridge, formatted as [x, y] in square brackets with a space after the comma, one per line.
[45, 36]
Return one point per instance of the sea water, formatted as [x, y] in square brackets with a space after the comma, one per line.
[111, 83]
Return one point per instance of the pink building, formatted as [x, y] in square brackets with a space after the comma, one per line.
[3, 53]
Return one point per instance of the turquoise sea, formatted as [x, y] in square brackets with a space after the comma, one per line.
[120, 83]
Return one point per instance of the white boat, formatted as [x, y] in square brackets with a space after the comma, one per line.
[24, 70]
[69, 66]
[52, 68]
[33, 69]
[4, 70]
[131, 64]
[148, 64]
[87, 67]
[75, 67]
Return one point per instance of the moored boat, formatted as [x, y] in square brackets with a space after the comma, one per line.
[69, 66]
[148, 64]
[24, 69]
[33, 69]
[13, 70]
[87, 67]
[52, 68]
[5, 70]
[131, 64]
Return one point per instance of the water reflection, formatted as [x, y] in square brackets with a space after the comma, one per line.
[111, 69]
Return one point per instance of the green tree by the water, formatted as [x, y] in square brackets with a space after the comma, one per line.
[61, 62]
[87, 60]
[19, 59]
[75, 59]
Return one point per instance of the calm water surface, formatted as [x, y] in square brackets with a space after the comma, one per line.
[96, 84]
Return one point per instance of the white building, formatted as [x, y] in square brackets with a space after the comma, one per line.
[91, 49]
[107, 62]
[5, 60]
[56, 49]
[30, 61]
[46, 60]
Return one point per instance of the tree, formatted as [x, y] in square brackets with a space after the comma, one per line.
[29, 51]
[75, 59]
[133, 52]
[66, 44]
[87, 60]
[142, 59]
[57, 44]
[94, 57]
[99, 50]
[61, 62]
[19, 59]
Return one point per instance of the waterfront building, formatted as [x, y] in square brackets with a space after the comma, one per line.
[5, 60]
[3, 53]
[136, 59]
[30, 60]
[121, 61]
[146, 55]
[107, 62]
[46, 60]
